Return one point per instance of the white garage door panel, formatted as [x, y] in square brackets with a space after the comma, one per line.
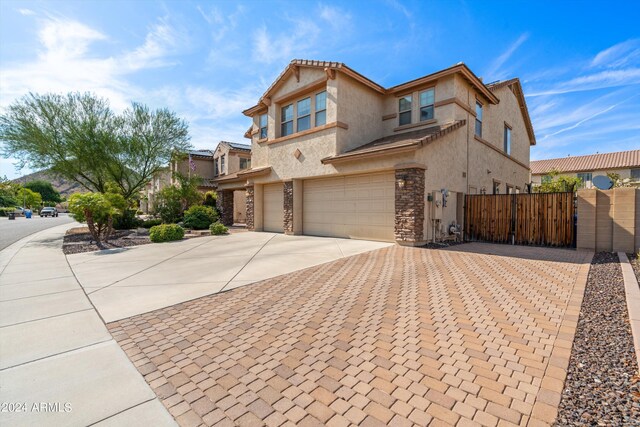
[361, 206]
[273, 208]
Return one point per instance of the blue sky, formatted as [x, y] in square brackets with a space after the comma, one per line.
[579, 61]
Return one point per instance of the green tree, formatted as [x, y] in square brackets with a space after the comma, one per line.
[46, 190]
[558, 184]
[8, 192]
[97, 210]
[78, 137]
[172, 201]
[28, 198]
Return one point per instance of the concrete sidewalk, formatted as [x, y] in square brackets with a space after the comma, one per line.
[131, 281]
[58, 363]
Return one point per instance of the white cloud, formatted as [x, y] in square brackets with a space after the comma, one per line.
[162, 41]
[293, 42]
[618, 55]
[26, 12]
[495, 70]
[66, 39]
[221, 24]
[600, 80]
[337, 18]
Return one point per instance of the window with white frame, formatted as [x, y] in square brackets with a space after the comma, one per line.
[427, 99]
[404, 110]
[507, 139]
[586, 179]
[286, 120]
[303, 108]
[321, 108]
[222, 164]
[496, 187]
[478, 119]
[216, 169]
[263, 121]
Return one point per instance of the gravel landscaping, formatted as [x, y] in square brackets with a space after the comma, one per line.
[602, 385]
[78, 240]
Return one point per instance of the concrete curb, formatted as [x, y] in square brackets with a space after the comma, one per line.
[632, 291]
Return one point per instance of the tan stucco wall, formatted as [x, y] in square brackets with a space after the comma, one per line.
[204, 167]
[239, 206]
[609, 220]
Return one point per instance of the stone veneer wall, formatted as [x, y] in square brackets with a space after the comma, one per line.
[409, 220]
[250, 197]
[226, 205]
[288, 207]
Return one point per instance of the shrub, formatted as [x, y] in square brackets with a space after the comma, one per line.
[97, 210]
[151, 223]
[200, 217]
[5, 211]
[168, 205]
[126, 220]
[210, 198]
[166, 233]
[218, 228]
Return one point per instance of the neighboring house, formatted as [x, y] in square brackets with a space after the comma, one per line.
[336, 154]
[160, 180]
[196, 163]
[229, 159]
[624, 163]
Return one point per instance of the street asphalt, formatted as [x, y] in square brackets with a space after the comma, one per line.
[12, 231]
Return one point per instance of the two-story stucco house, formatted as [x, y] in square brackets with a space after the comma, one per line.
[336, 154]
[230, 158]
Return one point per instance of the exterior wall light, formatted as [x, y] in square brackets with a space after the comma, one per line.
[402, 181]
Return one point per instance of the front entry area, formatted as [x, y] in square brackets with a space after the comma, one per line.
[273, 208]
[358, 206]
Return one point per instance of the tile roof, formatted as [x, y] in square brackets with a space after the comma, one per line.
[408, 140]
[592, 162]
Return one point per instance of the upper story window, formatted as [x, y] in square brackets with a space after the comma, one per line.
[404, 110]
[496, 187]
[263, 121]
[304, 114]
[478, 119]
[216, 170]
[426, 104]
[321, 108]
[222, 164]
[245, 163]
[507, 139]
[635, 174]
[286, 119]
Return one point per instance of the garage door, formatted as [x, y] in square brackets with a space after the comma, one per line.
[359, 206]
[273, 208]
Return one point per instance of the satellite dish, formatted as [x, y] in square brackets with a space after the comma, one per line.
[602, 182]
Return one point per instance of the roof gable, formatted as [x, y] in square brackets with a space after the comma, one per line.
[516, 88]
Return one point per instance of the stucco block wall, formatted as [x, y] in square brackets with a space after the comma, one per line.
[613, 216]
[624, 173]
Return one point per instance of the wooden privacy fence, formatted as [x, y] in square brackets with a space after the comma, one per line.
[543, 219]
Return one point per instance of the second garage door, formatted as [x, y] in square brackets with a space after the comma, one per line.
[359, 206]
[273, 211]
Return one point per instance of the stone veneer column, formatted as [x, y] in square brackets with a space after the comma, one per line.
[226, 205]
[288, 207]
[409, 221]
[250, 197]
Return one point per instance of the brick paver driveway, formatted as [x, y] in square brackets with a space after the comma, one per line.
[473, 335]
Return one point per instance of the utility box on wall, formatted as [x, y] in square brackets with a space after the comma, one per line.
[436, 205]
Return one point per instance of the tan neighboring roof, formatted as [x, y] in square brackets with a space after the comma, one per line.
[407, 141]
[588, 163]
[516, 87]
